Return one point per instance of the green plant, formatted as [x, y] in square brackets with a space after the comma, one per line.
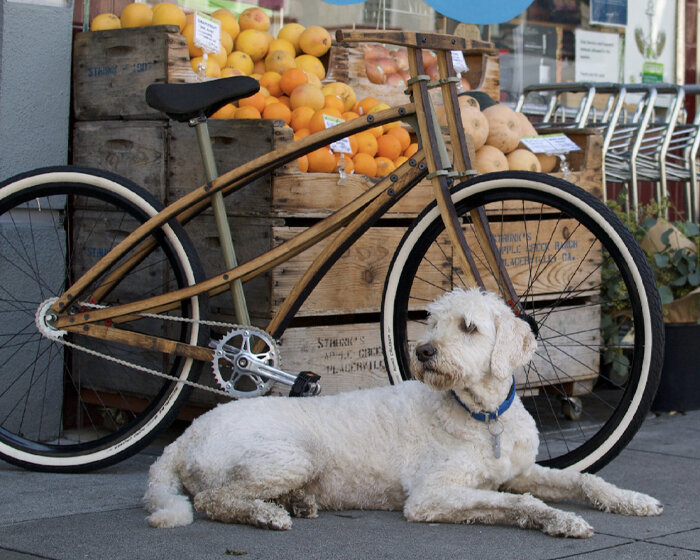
[676, 268]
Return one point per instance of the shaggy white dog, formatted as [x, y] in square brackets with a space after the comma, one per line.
[411, 447]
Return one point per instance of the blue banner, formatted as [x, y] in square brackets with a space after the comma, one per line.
[480, 12]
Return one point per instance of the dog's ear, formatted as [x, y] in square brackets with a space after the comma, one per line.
[515, 345]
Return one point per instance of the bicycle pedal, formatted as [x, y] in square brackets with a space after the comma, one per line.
[306, 385]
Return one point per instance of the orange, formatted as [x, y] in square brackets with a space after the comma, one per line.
[259, 67]
[412, 149]
[277, 111]
[301, 133]
[400, 160]
[169, 14]
[226, 112]
[226, 42]
[246, 112]
[229, 23]
[282, 45]
[316, 123]
[345, 160]
[105, 21]
[254, 18]
[366, 104]
[303, 163]
[306, 94]
[301, 117]
[228, 72]
[384, 166]
[311, 64]
[279, 61]
[389, 147]
[241, 61]
[256, 100]
[270, 99]
[333, 101]
[365, 164]
[271, 80]
[221, 57]
[349, 115]
[313, 79]
[366, 143]
[188, 32]
[284, 99]
[136, 15]
[291, 32]
[353, 144]
[263, 89]
[377, 131]
[254, 42]
[315, 40]
[321, 161]
[211, 69]
[291, 79]
[402, 135]
[342, 90]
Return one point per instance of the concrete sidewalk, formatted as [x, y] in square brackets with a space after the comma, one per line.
[99, 516]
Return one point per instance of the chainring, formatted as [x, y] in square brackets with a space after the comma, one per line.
[238, 347]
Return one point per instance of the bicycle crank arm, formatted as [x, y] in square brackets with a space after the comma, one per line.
[306, 384]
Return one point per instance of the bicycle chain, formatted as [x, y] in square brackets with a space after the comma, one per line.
[157, 373]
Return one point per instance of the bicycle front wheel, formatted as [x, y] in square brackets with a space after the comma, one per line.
[579, 273]
[69, 402]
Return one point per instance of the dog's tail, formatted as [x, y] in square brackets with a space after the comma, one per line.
[164, 498]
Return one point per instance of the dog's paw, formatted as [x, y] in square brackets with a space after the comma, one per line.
[635, 503]
[167, 519]
[566, 524]
[273, 517]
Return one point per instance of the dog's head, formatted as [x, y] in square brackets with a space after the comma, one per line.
[471, 336]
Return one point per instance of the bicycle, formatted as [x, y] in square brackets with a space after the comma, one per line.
[57, 325]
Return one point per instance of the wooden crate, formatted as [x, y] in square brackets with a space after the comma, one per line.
[111, 70]
[347, 64]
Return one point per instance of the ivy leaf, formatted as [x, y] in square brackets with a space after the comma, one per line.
[648, 223]
[694, 278]
[665, 236]
[680, 281]
[666, 294]
[692, 229]
[661, 260]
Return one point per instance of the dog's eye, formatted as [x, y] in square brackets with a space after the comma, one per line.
[467, 328]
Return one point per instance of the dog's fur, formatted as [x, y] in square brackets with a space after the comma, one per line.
[407, 447]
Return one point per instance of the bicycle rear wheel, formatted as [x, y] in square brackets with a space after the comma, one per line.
[69, 402]
[580, 274]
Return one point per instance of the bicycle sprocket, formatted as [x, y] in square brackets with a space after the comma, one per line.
[234, 356]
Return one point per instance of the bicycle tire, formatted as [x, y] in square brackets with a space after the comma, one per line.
[63, 409]
[540, 209]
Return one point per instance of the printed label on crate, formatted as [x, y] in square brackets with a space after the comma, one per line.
[342, 145]
[550, 144]
[207, 33]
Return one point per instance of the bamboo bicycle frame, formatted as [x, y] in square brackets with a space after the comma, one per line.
[350, 222]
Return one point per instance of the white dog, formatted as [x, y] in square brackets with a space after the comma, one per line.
[411, 447]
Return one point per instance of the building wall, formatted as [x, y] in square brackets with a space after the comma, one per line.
[35, 54]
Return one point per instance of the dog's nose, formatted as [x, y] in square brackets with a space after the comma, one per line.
[425, 352]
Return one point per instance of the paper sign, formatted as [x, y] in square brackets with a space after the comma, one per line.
[458, 62]
[550, 144]
[207, 33]
[342, 145]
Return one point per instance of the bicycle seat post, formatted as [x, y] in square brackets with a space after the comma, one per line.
[222, 225]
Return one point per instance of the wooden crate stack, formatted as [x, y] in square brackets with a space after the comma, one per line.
[336, 332]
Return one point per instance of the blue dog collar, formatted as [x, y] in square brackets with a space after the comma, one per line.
[489, 416]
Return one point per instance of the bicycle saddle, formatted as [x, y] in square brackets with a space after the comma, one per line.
[182, 102]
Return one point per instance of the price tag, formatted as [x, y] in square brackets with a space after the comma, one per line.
[550, 144]
[342, 145]
[458, 62]
[207, 33]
